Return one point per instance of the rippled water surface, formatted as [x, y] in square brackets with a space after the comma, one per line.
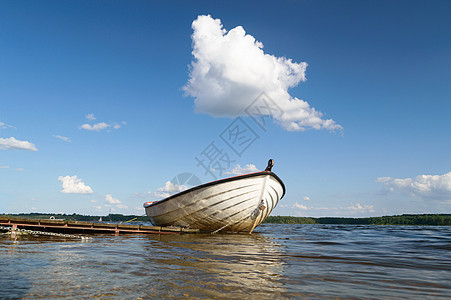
[278, 261]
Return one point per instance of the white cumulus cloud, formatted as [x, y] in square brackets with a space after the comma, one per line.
[424, 186]
[230, 69]
[74, 185]
[238, 170]
[95, 127]
[306, 198]
[13, 144]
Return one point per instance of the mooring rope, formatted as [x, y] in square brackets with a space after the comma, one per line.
[129, 220]
[34, 232]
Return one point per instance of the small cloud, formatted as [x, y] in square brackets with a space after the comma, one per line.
[20, 169]
[436, 187]
[100, 125]
[300, 206]
[169, 189]
[13, 144]
[63, 138]
[121, 206]
[238, 170]
[5, 126]
[74, 185]
[353, 210]
[362, 208]
[90, 117]
[306, 198]
[111, 200]
[4, 167]
[114, 201]
[138, 195]
[117, 125]
[95, 127]
[93, 201]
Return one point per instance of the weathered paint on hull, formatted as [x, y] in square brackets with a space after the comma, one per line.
[237, 204]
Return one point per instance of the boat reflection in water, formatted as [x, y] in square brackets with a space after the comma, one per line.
[216, 265]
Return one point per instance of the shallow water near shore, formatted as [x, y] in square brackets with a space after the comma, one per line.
[277, 261]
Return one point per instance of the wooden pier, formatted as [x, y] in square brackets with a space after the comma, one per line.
[64, 226]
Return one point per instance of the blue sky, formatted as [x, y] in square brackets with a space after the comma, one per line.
[379, 71]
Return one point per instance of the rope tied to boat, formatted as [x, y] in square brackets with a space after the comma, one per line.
[218, 230]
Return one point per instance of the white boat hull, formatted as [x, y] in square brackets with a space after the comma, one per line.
[236, 204]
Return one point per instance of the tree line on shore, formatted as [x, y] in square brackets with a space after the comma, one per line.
[411, 219]
[424, 219]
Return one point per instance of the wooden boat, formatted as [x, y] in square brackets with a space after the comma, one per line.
[236, 204]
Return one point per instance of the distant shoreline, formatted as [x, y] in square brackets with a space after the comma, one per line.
[407, 219]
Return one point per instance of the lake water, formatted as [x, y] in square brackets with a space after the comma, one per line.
[276, 262]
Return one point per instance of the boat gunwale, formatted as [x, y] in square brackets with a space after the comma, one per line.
[221, 181]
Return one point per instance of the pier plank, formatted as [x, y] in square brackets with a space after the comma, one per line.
[90, 227]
